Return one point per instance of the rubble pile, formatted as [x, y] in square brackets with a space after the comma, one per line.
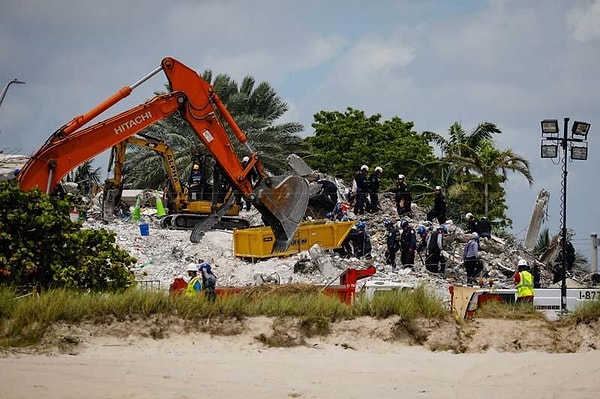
[164, 254]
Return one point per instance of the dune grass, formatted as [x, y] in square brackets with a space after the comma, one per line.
[24, 320]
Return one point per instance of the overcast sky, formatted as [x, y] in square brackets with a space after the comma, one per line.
[510, 62]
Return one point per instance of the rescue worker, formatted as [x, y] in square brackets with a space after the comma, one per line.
[439, 207]
[393, 243]
[472, 223]
[253, 176]
[362, 187]
[374, 185]
[402, 197]
[194, 285]
[209, 281]
[408, 245]
[524, 283]
[570, 261]
[421, 239]
[329, 189]
[196, 183]
[471, 259]
[484, 228]
[361, 242]
[435, 261]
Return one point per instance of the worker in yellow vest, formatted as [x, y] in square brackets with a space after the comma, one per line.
[195, 284]
[524, 282]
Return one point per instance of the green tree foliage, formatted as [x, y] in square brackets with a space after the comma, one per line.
[255, 108]
[344, 141]
[473, 171]
[491, 166]
[85, 176]
[41, 246]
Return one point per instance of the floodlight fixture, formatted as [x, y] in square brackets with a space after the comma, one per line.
[550, 127]
[549, 150]
[581, 129]
[579, 152]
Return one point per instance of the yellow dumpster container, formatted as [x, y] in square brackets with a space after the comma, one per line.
[257, 242]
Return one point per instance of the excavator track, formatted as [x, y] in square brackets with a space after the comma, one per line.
[188, 222]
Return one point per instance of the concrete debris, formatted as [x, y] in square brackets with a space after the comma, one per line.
[164, 254]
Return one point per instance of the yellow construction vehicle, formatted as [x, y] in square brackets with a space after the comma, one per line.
[188, 204]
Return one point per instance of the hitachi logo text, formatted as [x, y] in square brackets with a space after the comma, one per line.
[132, 122]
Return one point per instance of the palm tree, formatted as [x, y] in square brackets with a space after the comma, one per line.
[458, 138]
[459, 185]
[85, 177]
[255, 110]
[487, 161]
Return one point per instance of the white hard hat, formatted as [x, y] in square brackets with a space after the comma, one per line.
[469, 216]
[438, 188]
[364, 167]
[378, 169]
[522, 262]
[400, 176]
[245, 159]
[191, 268]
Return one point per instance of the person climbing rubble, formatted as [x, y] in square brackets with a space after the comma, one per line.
[373, 189]
[402, 197]
[435, 261]
[484, 228]
[472, 222]
[357, 243]
[439, 207]
[408, 245]
[392, 239]
[471, 259]
[421, 239]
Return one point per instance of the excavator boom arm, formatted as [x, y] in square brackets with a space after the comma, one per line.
[282, 200]
[62, 153]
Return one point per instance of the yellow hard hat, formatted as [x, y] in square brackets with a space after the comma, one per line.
[196, 167]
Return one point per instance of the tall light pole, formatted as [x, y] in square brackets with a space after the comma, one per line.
[15, 81]
[577, 143]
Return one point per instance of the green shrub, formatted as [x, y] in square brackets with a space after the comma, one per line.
[40, 245]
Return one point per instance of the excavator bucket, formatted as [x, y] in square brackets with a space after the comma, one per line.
[282, 201]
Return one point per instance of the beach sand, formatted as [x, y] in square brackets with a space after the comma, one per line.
[357, 360]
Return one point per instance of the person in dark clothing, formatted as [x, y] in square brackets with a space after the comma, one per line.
[253, 176]
[357, 243]
[435, 261]
[421, 239]
[570, 261]
[209, 281]
[392, 242]
[484, 228]
[374, 185]
[408, 245]
[361, 242]
[362, 186]
[472, 223]
[471, 259]
[439, 207]
[402, 197]
[329, 189]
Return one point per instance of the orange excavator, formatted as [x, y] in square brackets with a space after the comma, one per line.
[281, 200]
